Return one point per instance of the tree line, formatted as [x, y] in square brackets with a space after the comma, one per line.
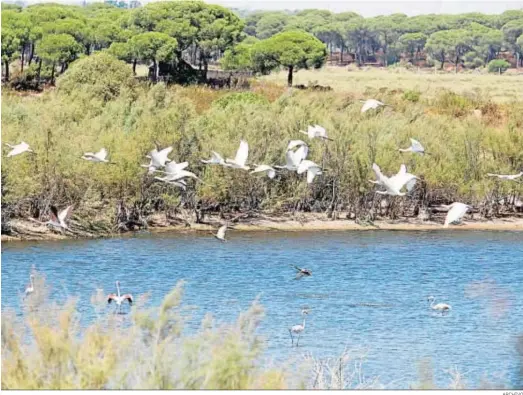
[177, 37]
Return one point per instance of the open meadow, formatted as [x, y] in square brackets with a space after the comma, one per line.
[503, 88]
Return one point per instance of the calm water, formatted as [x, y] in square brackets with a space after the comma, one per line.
[398, 269]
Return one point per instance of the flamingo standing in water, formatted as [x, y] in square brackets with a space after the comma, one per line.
[442, 307]
[298, 329]
[119, 299]
[31, 287]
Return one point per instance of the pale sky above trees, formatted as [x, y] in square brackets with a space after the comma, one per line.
[365, 8]
[382, 7]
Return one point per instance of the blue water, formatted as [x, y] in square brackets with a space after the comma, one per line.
[395, 270]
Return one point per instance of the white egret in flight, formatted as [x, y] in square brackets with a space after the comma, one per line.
[508, 177]
[100, 156]
[295, 143]
[456, 212]
[158, 158]
[220, 235]
[394, 184]
[119, 299]
[371, 104]
[239, 162]
[415, 146]
[316, 131]
[298, 329]
[216, 159]
[18, 149]
[311, 168]
[58, 218]
[440, 306]
[294, 158]
[268, 170]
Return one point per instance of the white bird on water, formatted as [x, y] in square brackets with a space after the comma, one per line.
[18, 149]
[442, 307]
[415, 146]
[31, 287]
[119, 299]
[394, 184]
[268, 170]
[216, 159]
[371, 104]
[98, 157]
[507, 177]
[311, 168]
[298, 329]
[456, 212]
[316, 131]
[220, 235]
[239, 162]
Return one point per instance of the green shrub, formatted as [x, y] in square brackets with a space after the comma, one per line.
[240, 98]
[412, 96]
[100, 76]
[497, 65]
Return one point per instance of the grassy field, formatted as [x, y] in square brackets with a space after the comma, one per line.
[464, 146]
[499, 88]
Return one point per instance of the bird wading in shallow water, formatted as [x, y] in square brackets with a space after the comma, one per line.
[31, 287]
[298, 329]
[441, 307]
[119, 299]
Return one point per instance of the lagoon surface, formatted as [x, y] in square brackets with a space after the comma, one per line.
[368, 291]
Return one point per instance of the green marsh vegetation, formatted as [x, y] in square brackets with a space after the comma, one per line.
[84, 114]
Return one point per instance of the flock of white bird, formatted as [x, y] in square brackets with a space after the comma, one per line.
[295, 160]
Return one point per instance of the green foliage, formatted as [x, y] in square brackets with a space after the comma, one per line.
[240, 98]
[153, 46]
[239, 57]
[62, 124]
[100, 75]
[10, 44]
[58, 48]
[498, 65]
[293, 50]
[412, 96]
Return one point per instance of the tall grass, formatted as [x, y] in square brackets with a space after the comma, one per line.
[196, 120]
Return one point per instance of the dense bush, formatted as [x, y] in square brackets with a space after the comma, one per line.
[60, 127]
[101, 76]
[498, 65]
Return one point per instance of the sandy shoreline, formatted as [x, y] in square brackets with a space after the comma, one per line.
[28, 231]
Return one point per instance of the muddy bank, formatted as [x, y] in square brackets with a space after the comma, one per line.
[23, 229]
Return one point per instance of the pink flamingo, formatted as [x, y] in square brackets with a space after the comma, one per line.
[119, 299]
